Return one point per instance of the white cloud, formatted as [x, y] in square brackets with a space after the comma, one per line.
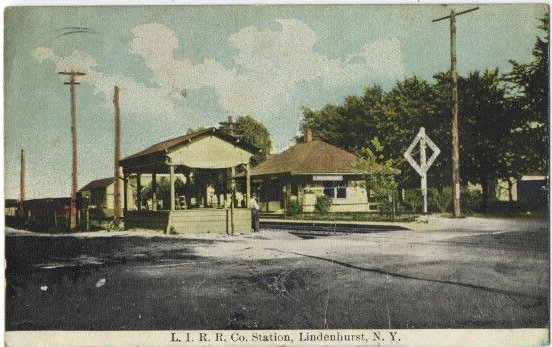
[42, 53]
[269, 66]
[135, 98]
[76, 61]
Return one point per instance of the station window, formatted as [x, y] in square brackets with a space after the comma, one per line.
[341, 190]
[329, 189]
[333, 189]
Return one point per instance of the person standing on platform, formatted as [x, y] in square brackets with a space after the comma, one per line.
[255, 209]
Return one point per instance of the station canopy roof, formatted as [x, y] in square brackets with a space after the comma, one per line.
[209, 148]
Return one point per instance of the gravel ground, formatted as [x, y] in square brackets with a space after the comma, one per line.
[449, 278]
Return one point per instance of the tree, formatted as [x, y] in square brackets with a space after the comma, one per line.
[349, 126]
[411, 104]
[529, 87]
[503, 128]
[393, 117]
[377, 172]
[484, 124]
[326, 124]
[255, 133]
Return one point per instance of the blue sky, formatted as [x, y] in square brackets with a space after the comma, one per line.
[263, 61]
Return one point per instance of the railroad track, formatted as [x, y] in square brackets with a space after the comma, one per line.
[329, 228]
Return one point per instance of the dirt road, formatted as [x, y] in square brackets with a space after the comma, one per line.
[396, 279]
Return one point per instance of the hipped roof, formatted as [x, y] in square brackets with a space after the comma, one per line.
[315, 157]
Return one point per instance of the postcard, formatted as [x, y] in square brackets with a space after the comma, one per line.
[277, 175]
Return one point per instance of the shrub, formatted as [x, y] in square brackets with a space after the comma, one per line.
[323, 204]
[399, 208]
[471, 200]
[440, 200]
[412, 199]
[385, 208]
[293, 208]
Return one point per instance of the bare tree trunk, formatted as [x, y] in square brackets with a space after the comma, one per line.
[510, 195]
[485, 193]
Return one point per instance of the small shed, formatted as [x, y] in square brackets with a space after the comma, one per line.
[100, 193]
[529, 190]
[203, 159]
[100, 197]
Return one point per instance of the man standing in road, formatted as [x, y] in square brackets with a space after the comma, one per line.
[256, 224]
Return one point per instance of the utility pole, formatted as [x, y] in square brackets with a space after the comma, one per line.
[116, 182]
[231, 122]
[455, 153]
[72, 83]
[230, 126]
[22, 185]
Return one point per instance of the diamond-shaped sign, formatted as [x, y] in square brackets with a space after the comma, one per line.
[424, 140]
[424, 165]
[436, 152]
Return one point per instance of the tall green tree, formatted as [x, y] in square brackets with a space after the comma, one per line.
[255, 133]
[529, 88]
[503, 128]
[350, 125]
[484, 124]
[409, 106]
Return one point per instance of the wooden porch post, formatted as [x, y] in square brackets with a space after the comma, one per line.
[139, 191]
[153, 191]
[125, 193]
[225, 187]
[233, 198]
[247, 185]
[265, 193]
[188, 191]
[287, 193]
[171, 178]
[204, 184]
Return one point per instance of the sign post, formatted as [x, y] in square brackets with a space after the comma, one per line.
[425, 163]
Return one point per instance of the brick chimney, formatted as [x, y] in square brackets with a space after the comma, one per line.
[307, 135]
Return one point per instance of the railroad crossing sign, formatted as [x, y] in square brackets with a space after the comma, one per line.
[425, 164]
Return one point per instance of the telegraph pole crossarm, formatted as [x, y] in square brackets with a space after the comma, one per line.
[456, 14]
